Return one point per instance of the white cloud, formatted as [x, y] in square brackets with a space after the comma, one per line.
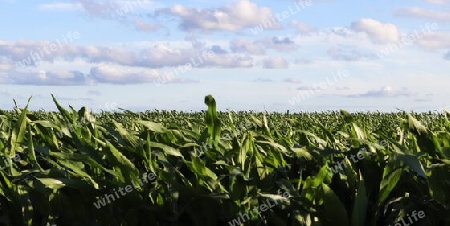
[246, 46]
[438, 2]
[386, 91]
[148, 27]
[157, 56]
[280, 44]
[377, 31]
[242, 14]
[27, 52]
[226, 61]
[5, 64]
[292, 80]
[61, 7]
[434, 41]
[349, 54]
[49, 78]
[136, 5]
[61, 74]
[308, 87]
[258, 47]
[99, 9]
[419, 13]
[275, 63]
[124, 11]
[300, 28]
[163, 55]
[117, 75]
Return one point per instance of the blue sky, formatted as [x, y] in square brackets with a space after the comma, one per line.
[249, 54]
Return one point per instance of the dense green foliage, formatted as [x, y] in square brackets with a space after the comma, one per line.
[212, 167]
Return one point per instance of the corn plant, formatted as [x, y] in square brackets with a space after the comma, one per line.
[217, 168]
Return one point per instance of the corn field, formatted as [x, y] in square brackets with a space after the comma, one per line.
[210, 168]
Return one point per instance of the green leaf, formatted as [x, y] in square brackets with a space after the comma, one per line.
[334, 211]
[360, 206]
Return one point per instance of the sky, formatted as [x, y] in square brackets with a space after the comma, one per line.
[297, 55]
